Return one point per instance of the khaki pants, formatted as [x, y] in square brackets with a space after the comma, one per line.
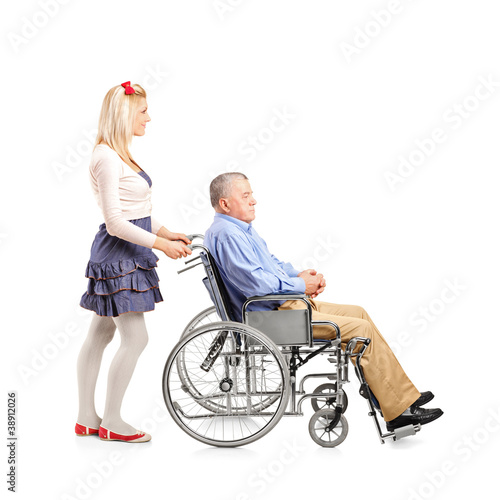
[385, 376]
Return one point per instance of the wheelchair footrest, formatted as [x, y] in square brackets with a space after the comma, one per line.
[407, 430]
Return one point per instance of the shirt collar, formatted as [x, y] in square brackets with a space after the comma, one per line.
[247, 227]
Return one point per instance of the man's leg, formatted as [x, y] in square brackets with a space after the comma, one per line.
[385, 376]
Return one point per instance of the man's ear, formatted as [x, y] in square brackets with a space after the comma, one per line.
[223, 205]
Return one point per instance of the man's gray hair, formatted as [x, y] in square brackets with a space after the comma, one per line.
[221, 186]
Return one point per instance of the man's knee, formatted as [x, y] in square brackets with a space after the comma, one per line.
[350, 310]
[362, 328]
[359, 312]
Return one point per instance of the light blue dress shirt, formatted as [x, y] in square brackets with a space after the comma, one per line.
[246, 265]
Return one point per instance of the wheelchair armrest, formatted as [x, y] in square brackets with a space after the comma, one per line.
[328, 323]
[287, 296]
[296, 324]
[276, 296]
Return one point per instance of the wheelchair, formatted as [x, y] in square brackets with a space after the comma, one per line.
[228, 383]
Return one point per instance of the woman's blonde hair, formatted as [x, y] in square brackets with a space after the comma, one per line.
[117, 119]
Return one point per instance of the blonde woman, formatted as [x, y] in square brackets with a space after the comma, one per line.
[123, 283]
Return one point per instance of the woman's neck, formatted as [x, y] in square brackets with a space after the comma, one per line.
[128, 161]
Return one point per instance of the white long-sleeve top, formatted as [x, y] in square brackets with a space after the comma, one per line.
[122, 195]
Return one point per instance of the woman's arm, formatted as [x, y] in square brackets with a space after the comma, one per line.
[155, 225]
[169, 235]
[163, 232]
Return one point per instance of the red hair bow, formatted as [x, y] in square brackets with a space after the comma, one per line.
[128, 88]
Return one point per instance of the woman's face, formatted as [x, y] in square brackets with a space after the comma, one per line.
[141, 118]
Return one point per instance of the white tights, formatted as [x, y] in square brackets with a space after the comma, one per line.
[134, 338]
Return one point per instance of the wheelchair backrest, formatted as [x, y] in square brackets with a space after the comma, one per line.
[216, 287]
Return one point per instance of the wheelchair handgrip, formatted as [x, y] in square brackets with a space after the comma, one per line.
[195, 235]
[192, 237]
[190, 245]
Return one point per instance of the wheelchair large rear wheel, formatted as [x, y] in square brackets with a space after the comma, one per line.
[235, 372]
[205, 317]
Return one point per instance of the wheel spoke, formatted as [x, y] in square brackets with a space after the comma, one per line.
[205, 407]
[318, 428]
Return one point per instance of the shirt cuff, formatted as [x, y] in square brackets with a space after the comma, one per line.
[299, 285]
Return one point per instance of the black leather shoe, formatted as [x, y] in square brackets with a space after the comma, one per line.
[418, 415]
[424, 398]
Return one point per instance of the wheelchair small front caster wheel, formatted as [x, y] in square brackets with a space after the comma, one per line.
[319, 428]
[329, 401]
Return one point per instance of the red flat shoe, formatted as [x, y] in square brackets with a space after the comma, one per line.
[82, 430]
[107, 435]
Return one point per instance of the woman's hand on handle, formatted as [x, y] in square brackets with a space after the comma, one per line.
[169, 235]
[172, 249]
[179, 237]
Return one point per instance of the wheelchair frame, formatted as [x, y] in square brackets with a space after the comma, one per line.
[257, 343]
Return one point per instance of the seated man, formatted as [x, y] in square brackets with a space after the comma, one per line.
[248, 268]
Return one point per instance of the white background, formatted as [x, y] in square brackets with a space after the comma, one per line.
[215, 77]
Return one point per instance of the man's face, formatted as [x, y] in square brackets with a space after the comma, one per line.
[240, 204]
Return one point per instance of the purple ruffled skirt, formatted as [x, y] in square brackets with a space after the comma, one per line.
[122, 275]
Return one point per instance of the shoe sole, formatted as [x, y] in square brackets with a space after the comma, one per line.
[427, 421]
[125, 441]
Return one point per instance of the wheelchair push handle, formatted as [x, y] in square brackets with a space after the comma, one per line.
[193, 246]
[192, 237]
